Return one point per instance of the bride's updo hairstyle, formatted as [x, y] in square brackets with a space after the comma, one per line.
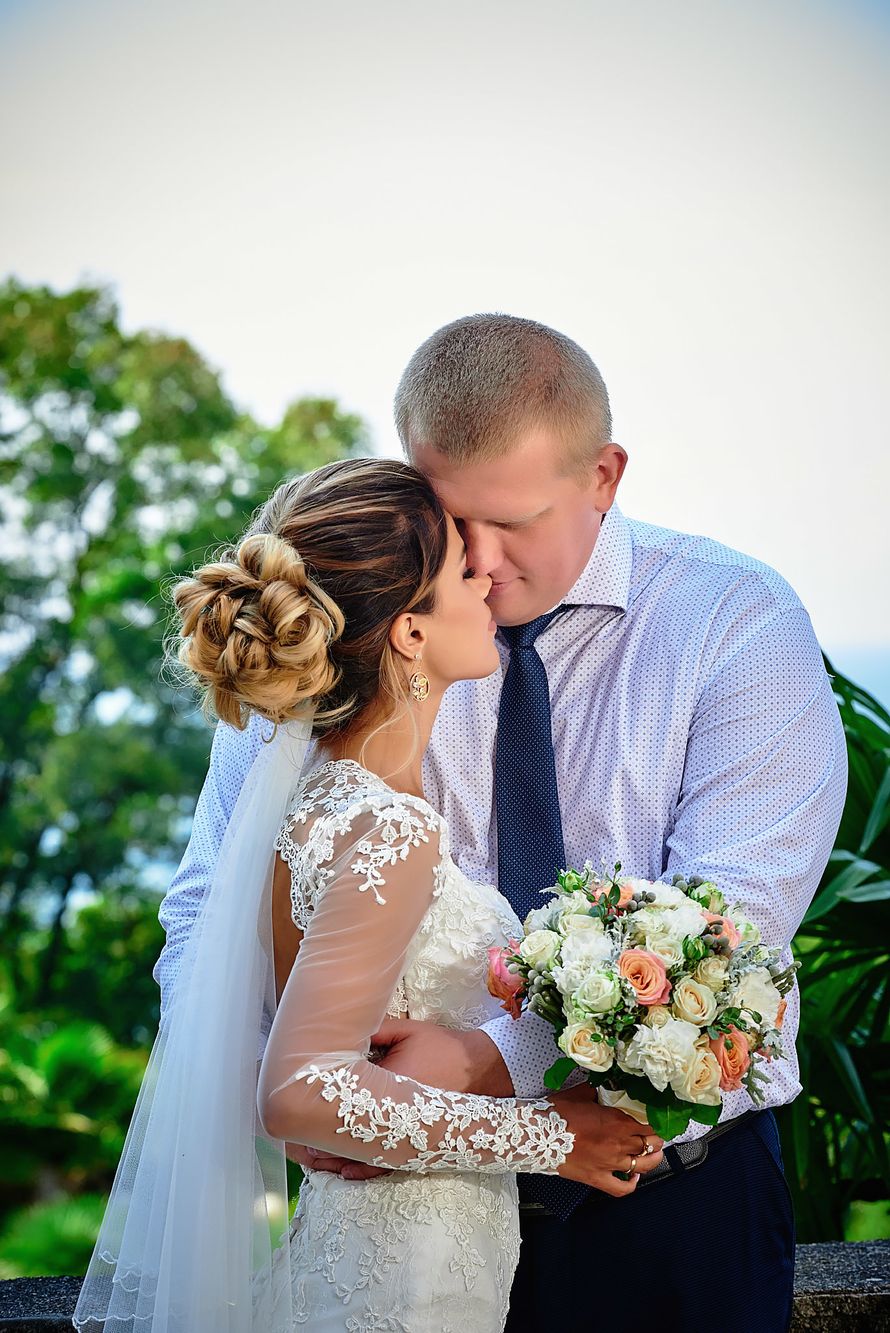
[296, 617]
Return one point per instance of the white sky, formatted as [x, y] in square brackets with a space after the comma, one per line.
[695, 190]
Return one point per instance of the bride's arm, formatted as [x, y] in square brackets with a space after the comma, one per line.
[380, 870]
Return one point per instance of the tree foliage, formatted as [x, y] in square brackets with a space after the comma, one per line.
[835, 1135]
[122, 462]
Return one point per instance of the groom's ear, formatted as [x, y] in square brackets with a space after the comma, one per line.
[407, 635]
[607, 473]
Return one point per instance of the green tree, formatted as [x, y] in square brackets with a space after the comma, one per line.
[122, 462]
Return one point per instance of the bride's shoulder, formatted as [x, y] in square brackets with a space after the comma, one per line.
[340, 797]
[346, 823]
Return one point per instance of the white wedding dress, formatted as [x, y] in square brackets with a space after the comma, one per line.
[391, 927]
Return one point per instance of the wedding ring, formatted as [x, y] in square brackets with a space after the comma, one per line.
[633, 1165]
[647, 1146]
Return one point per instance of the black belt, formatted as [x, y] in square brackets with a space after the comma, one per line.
[679, 1158]
[687, 1155]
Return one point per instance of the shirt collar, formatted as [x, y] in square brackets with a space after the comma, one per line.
[605, 579]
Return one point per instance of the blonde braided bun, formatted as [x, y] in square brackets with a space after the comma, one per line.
[256, 632]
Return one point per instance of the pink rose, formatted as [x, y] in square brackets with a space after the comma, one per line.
[726, 927]
[733, 1056]
[502, 983]
[647, 974]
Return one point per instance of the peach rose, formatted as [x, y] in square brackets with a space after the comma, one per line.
[726, 926]
[625, 893]
[733, 1059]
[647, 974]
[780, 1014]
[502, 983]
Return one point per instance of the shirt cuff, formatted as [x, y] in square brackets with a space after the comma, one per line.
[528, 1049]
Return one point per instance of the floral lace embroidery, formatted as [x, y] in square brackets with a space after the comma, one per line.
[367, 1250]
[530, 1135]
[342, 791]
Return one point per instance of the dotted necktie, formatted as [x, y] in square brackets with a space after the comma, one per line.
[530, 843]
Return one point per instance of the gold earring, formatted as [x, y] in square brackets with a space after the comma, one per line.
[419, 683]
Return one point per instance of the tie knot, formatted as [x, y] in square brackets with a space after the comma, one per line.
[523, 636]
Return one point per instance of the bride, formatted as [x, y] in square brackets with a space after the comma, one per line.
[341, 617]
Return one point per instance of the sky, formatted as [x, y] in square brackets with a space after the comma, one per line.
[694, 190]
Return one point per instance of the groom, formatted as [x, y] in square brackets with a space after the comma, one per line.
[662, 702]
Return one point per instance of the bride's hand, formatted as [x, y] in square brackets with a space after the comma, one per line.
[606, 1141]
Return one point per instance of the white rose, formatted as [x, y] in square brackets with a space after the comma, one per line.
[598, 994]
[756, 993]
[688, 919]
[583, 1045]
[540, 948]
[622, 1101]
[583, 951]
[659, 1054]
[694, 1003]
[711, 972]
[540, 918]
[573, 923]
[710, 896]
[666, 895]
[649, 921]
[745, 926]
[700, 1080]
[657, 1015]
[667, 947]
[570, 905]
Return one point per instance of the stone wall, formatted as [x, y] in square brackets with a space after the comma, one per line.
[838, 1289]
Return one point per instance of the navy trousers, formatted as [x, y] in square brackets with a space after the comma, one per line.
[708, 1247]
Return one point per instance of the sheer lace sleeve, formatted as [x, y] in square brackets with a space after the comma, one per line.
[367, 877]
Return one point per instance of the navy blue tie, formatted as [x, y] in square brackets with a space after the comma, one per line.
[530, 843]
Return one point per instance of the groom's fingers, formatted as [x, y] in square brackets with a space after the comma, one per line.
[313, 1159]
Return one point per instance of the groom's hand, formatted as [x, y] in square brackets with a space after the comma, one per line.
[461, 1061]
[314, 1159]
[606, 1141]
[440, 1057]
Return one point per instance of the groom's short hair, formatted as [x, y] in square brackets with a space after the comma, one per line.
[480, 382]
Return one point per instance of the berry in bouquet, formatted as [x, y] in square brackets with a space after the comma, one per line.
[661, 993]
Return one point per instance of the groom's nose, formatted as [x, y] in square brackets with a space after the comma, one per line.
[484, 550]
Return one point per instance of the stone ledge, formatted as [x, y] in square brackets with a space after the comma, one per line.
[841, 1286]
[837, 1289]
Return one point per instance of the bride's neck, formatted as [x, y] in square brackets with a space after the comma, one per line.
[392, 749]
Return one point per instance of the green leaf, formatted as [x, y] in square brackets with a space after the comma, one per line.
[706, 1115]
[879, 815]
[558, 1073]
[855, 872]
[668, 1121]
[874, 892]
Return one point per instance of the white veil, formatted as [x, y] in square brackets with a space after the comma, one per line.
[194, 1238]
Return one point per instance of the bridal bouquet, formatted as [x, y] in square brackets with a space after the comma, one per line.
[661, 993]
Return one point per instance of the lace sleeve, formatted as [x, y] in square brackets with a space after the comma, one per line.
[378, 869]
